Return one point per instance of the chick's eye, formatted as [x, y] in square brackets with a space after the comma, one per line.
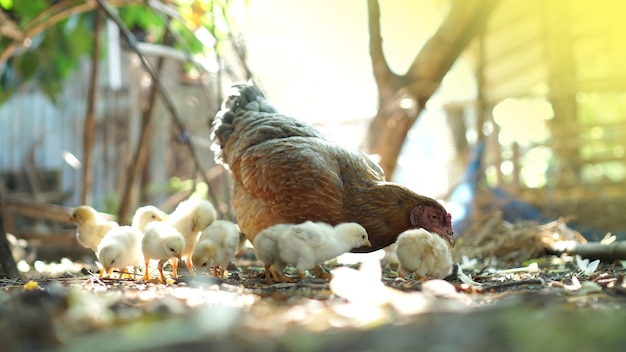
[172, 249]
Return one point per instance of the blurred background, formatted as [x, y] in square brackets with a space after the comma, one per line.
[495, 107]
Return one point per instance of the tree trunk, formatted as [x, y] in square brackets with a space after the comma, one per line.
[8, 268]
[402, 98]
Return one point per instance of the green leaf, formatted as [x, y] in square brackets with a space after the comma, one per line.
[6, 4]
[26, 10]
[27, 65]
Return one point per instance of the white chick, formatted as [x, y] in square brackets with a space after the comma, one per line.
[423, 253]
[190, 218]
[119, 249]
[90, 226]
[312, 243]
[145, 215]
[266, 248]
[161, 241]
[216, 246]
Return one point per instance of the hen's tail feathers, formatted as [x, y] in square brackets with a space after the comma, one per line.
[242, 97]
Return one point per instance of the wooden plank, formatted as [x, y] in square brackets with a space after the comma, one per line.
[65, 239]
[46, 211]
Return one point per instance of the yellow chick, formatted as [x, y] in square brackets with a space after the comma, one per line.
[161, 242]
[216, 246]
[90, 226]
[119, 249]
[190, 218]
[423, 253]
[145, 215]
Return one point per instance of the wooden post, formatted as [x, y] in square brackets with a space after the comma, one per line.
[8, 268]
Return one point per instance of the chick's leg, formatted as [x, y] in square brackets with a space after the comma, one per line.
[223, 270]
[278, 272]
[161, 275]
[146, 275]
[174, 268]
[320, 273]
[269, 274]
[215, 271]
[103, 272]
[190, 266]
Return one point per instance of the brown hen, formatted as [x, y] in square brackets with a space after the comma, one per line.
[285, 171]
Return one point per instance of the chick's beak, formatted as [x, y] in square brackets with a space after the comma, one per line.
[367, 243]
[70, 219]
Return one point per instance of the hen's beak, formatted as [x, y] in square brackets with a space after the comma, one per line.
[450, 238]
[368, 243]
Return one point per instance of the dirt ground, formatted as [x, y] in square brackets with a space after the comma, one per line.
[551, 303]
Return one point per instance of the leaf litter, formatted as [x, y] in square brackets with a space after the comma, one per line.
[504, 293]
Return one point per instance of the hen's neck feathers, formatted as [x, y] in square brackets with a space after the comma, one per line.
[384, 210]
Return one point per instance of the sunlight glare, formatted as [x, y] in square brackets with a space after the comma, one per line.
[523, 120]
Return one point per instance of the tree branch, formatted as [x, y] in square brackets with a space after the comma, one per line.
[386, 80]
[463, 22]
[48, 19]
[167, 100]
[143, 145]
[90, 118]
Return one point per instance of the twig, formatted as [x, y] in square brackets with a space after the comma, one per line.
[165, 15]
[39, 24]
[592, 250]
[509, 284]
[169, 104]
